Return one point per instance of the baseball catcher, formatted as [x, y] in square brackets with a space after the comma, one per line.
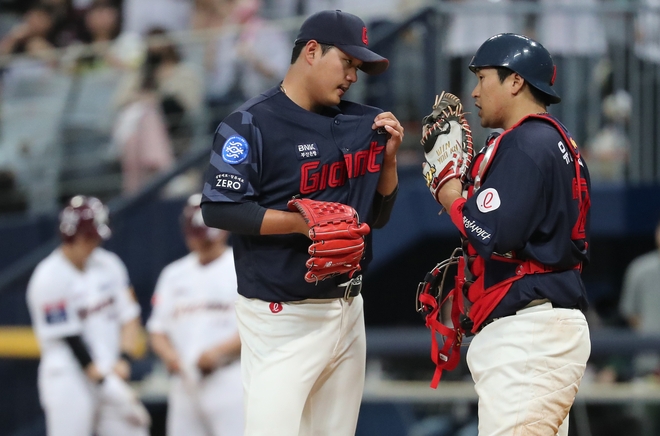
[337, 238]
[447, 143]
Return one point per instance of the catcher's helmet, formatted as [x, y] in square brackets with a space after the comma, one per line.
[193, 222]
[522, 55]
[86, 216]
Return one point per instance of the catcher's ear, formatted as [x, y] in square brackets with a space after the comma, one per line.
[516, 83]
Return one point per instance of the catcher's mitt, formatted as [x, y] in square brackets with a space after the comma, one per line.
[337, 238]
[447, 142]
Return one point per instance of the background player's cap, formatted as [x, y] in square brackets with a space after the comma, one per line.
[345, 31]
[522, 55]
[86, 216]
[192, 220]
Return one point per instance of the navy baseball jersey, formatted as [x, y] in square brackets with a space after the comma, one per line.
[270, 150]
[530, 213]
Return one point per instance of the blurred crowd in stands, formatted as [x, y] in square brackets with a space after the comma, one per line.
[100, 95]
[100, 85]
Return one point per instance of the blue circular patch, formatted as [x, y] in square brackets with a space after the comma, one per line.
[235, 150]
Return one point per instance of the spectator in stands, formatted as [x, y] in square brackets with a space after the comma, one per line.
[100, 28]
[65, 21]
[140, 134]
[248, 56]
[607, 151]
[647, 32]
[33, 36]
[208, 14]
[640, 302]
[177, 87]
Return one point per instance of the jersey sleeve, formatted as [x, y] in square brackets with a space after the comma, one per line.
[161, 306]
[54, 307]
[504, 213]
[233, 171]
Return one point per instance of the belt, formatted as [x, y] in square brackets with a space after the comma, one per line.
[529, 305]
[346, 291]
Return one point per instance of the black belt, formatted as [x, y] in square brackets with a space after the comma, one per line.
[350, 289]
[531, 304]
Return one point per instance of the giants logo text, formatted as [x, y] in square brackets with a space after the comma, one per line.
[313, 178]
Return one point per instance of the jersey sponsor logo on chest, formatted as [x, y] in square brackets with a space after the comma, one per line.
[232, 182]
[307, 151]
[98, 307]
[316, 177]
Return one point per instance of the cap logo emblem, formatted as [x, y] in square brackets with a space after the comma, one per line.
[364, 36]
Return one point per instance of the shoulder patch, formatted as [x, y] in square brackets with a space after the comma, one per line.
[235, 150]
[488, 200]
[55, 313]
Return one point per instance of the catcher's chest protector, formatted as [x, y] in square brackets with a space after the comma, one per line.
[484, 300]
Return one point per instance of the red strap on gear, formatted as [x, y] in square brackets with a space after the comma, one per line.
[447, 357]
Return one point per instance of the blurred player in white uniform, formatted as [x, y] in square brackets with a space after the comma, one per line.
[193, 329]
[87, 323]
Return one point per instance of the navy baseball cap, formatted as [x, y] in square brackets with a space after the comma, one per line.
[345, 31]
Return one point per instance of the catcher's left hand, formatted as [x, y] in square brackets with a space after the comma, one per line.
[337, 238]
[447, 142]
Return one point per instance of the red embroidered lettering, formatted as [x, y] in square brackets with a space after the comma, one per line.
[361, 159]
[309, 181]
[337, 175]
[324, 177]
[374, 151]
[487, 200]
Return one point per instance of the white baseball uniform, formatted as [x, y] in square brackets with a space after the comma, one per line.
[194, 306]
[94, 303]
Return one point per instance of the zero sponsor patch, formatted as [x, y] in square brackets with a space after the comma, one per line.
[478, 230]
[307, 151]
[235, 150]
[55, 313]
[232, 182]
[488, 200]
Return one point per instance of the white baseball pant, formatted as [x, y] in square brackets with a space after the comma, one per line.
[527, 370]
[303, 366]
[212, 407]
[72, 408]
